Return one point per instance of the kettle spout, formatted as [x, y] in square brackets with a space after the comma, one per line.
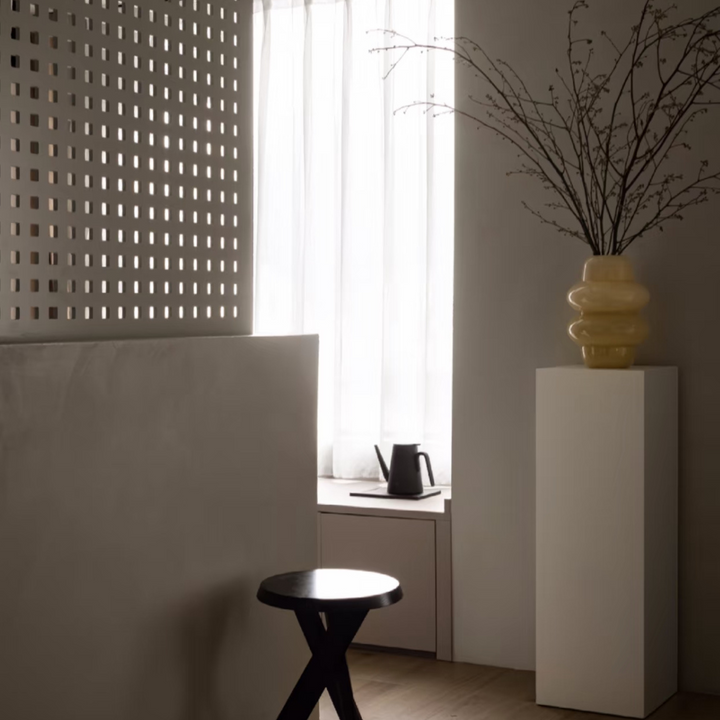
[383, 466]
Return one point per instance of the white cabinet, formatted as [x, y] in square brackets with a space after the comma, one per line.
[404, 549]
[409, 540]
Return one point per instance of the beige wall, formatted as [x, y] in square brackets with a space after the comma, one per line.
[510, 316]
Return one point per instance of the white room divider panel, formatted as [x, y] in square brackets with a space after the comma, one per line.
[125, 168]
[146, 488]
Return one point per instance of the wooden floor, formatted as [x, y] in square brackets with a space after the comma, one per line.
[395, 687]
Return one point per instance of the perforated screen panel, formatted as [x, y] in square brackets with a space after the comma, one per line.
[125, 168]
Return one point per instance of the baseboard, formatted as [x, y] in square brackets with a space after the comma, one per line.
[394, 651]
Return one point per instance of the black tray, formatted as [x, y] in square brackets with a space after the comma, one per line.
[382, 493]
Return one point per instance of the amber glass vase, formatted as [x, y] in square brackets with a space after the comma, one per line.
[609, 301]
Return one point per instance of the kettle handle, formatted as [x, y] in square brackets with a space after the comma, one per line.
[418, 455]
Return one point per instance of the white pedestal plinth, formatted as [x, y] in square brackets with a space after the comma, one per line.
[607, 539]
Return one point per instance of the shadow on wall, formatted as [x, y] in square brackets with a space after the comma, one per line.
[681, 271]
[511, 278]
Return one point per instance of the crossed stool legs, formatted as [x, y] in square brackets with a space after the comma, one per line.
[327, 667]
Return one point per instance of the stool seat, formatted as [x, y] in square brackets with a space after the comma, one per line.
[329, 590]
[346, 597]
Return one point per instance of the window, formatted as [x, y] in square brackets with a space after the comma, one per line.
[354, 217]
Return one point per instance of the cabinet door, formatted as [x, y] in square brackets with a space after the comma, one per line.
[404, 549]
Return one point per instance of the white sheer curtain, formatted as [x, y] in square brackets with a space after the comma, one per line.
[354, 218]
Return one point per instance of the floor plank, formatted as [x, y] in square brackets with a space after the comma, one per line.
[399, 687]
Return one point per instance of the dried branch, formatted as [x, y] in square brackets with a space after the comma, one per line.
[602, 141]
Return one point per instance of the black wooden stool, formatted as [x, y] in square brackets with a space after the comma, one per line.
[346, 597]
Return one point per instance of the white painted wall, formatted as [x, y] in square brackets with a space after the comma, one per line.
[510, 318]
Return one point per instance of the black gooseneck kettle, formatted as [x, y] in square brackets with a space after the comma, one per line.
[404, 476]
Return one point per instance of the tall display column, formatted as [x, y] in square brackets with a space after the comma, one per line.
[607, 558]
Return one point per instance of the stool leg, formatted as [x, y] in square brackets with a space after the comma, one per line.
[314, 631]
[320, 671]
[341, 681]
